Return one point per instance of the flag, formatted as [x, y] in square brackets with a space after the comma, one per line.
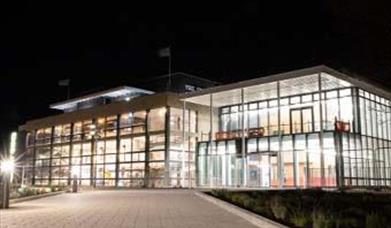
[64, 82]
[165, 52]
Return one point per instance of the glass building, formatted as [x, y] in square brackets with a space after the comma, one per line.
[123, 137]
[314, 127]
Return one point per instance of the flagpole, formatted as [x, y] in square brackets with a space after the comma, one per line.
[169, 68]
[69, 90]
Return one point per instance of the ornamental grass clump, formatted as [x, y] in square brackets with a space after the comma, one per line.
[322, 219]
[300, 218]
[375, 220]
[279, 209]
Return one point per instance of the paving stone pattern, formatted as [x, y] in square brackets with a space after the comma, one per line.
[120, 208]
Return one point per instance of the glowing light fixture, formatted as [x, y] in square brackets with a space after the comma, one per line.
[13, 144]
[7, 166]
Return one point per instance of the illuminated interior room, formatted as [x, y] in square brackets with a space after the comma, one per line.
[308, 128]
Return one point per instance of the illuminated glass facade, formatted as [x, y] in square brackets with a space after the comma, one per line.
[302, 129]
[131, 149]
[308, 128]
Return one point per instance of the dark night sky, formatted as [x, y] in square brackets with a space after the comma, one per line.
[106, 45]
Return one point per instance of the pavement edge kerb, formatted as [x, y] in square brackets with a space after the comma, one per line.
[28, 198]
[251, 217]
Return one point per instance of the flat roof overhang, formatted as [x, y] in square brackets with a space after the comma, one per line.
[111, 93]
[229, 90]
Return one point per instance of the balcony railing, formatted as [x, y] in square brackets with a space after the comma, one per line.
[251, 132]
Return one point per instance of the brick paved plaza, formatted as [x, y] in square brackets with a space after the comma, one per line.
[120, 208]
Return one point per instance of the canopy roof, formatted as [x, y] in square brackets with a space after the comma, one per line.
[292, 82]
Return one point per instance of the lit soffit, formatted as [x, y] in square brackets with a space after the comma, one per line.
[264, 91]
[122, 91]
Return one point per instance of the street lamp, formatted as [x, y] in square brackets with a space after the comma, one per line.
[7, 167]
[75, 173]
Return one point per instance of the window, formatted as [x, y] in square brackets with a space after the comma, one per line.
[156, 119]
[346, 109]
[124, 171]
[42, 152]
[176, 120]
[111, 146]
[125, 145]
[331, 113]
[138, 157]
[87, 126]
[157, 142]
[156, 169]
[156, 156]
[234, 118]
[30, 139]
[86, 149]
[138, 143]
[224, 124]
[253, 118]
[111, 126]
[126, 120]
[193, 121]
[252, 145]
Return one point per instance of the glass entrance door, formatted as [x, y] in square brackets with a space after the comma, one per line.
[262, 170]
[302, 120]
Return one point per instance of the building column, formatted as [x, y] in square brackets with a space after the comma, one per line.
[146, 168]
[118, 149]
[70, 154]
[339, 160]
[210, 151]
[93, 150]
[321, 134]
[244, 159]
[167, 130]
[34, 157]
[280, 163]
[51, 156]
[183, 144]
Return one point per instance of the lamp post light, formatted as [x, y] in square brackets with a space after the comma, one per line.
[75, 174]
[7, 167]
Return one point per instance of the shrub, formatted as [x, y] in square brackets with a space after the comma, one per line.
[315, 208]
[241, 199]
[322, 219]
[301, 218]
[278, 208]
[346, 222]
[374, 220]
[247, 201]
[351, 217]
[262, 205]
[14, 195]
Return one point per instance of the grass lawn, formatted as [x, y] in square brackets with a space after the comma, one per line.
[315, 208]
